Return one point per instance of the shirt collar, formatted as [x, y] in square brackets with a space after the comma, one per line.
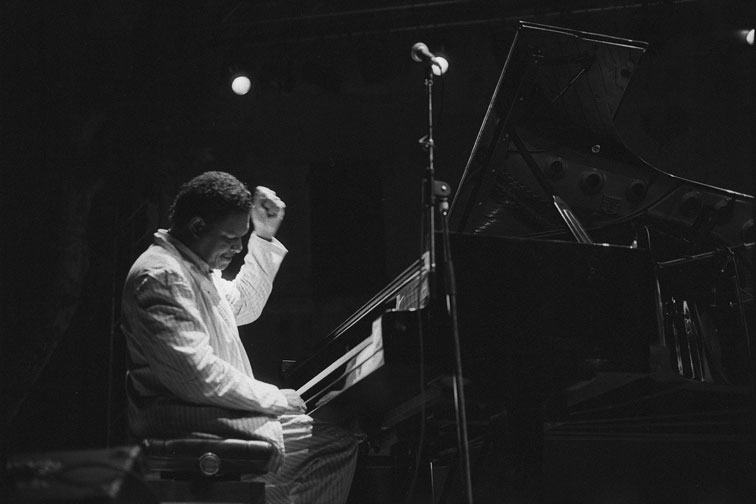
[165, 239]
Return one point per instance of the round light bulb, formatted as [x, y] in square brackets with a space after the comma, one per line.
[241, 85]
[750, 37]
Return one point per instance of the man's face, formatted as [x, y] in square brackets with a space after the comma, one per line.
[218, 242]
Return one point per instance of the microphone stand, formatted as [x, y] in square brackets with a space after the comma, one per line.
[435, 198]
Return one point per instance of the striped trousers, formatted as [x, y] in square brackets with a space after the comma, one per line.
[318, 464]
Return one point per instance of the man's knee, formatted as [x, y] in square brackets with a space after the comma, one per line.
[337, 438]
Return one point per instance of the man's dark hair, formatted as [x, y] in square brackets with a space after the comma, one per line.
[212, 196]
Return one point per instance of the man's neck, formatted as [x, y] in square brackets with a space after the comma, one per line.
[181, 235]
[185, 239]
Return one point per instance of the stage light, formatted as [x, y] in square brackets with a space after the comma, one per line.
[735, 38]
[241, 84]
[741, 37]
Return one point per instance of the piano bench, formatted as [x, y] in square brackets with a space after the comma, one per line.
[207, 470]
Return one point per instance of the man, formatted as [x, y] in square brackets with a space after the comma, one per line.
[189, 374]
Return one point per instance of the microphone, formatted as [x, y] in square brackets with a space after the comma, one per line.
[422, 54]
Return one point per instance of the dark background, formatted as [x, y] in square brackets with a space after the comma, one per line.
[107, 106]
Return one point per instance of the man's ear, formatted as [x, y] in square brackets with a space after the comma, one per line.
[196, 225]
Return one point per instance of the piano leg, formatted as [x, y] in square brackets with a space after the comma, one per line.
[526, 441]
[509, 466]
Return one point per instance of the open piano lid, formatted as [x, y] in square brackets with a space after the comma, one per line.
[549, 131]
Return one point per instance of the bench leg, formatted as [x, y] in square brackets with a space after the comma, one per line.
[208, 490]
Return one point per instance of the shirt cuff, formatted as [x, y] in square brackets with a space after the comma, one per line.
[275, 248]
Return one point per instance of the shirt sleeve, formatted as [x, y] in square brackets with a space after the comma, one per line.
[249, 291]
[175, 343]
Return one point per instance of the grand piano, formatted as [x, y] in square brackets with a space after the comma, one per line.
[586, 281]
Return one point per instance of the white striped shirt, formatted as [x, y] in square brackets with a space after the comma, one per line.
[189, 372]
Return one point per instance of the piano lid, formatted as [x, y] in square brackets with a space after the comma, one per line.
[549, 127]
[548, 157]
[550, 120]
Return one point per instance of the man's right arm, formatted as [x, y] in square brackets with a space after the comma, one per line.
[173, 339]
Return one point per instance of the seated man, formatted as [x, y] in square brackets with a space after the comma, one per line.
[189, 374]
